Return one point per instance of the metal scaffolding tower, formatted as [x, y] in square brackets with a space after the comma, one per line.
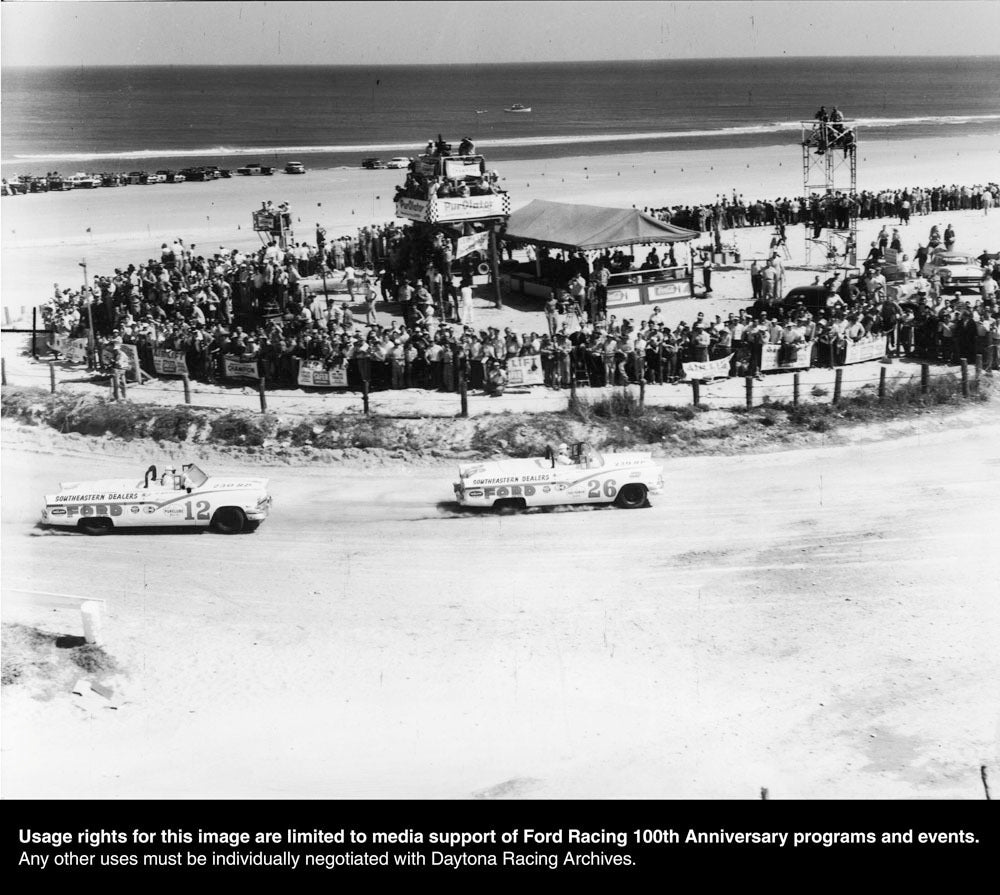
[830, 188]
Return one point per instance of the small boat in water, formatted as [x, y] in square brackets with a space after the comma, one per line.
[517, 107]
[481, 111]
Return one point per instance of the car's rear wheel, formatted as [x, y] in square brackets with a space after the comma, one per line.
[229, 520]
[96, 525]
[632, 497]
[510, 505]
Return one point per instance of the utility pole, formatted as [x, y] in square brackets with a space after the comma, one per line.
[90, 317]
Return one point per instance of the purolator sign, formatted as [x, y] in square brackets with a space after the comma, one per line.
[453, 208]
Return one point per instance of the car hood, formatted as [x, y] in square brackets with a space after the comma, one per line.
[234, 482]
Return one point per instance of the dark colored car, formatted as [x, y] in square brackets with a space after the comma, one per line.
[372, 163]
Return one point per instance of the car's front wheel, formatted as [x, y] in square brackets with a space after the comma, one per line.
[229, 520]
[96, 525]
[632, 497]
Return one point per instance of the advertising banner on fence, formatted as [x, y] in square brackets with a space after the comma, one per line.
[869, 348]
[73, 350]
[798, 358]
[713, 369]
[478, 242]
[169, 363]
[234, 368]
[525, 370]
[670, 291]
[315, 374]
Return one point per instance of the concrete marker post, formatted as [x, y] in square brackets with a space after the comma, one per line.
[925, 378]
[3, 370]
[364, 396]
[463, 392]
[261, 385]
[695, 392]
[838, 378]
[187, 389]
[964, 364]
[90, 611]
[796, 383]
[52, 377]
[881, 383]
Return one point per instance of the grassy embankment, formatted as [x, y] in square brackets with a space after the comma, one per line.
[616, 422]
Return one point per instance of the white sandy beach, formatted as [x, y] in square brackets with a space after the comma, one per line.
[45, 236]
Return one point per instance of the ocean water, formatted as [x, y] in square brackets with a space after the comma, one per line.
[128, 118]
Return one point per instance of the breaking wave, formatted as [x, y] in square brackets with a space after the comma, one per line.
[774, 127]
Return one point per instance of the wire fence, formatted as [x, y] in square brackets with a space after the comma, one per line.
[809, 385]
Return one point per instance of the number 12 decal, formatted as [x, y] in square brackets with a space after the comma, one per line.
[610, 489]
[201, 510]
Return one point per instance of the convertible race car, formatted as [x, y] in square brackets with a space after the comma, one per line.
[572, 474]
[190, 499]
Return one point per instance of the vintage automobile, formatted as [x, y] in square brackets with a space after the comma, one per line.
[295, 168]
[399, 161]
[574, 474]
[958, 271]
[372, 163]
[255, 170]
[190, 498]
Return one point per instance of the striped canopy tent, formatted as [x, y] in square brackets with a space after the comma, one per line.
[588, 228]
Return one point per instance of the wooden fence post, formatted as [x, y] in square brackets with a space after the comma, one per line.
[696, 392]
[3, 370]
[838, 378]
[52, 377]
[463, 391]
[364, 395]
[796, 382]
[881, 383]
[925, 378]
[965, 376]
[263, 397]
[187, 390]
[642, 393]
[748, 382]
[34, 328]
[979, 371]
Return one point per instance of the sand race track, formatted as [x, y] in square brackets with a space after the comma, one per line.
[822, 623]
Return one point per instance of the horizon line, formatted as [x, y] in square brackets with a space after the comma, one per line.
[879, 56]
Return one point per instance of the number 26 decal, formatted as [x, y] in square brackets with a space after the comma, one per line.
[201, 510]
[610, 489]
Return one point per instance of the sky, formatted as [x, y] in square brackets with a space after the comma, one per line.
[133, 32]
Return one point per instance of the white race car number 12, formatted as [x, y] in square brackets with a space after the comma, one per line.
[200, 511]
[595, 492]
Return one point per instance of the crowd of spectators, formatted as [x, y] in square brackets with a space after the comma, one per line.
[258, 307]
[731, 212]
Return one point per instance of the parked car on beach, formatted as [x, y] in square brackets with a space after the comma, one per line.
[372, 163]
[399, 161]
[295, 168]
[255, 170]
[958, 271]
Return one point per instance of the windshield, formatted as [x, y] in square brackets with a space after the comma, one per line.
[196, 477]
